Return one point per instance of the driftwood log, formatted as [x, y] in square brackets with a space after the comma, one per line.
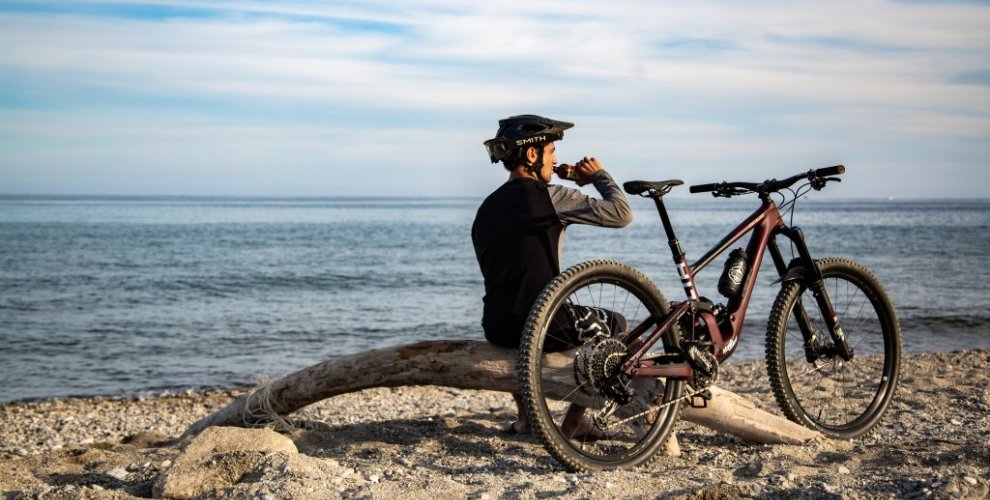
[463, 365]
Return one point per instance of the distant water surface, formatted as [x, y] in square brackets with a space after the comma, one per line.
[120, 295]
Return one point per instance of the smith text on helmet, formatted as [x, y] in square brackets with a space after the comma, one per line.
[531, 140]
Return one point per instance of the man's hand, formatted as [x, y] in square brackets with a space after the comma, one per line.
[586, 169]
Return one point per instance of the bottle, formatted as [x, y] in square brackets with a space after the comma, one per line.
[734, 274]
[565, 171]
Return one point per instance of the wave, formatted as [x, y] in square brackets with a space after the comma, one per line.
[28, 295]
[972, 324]
[229, 285]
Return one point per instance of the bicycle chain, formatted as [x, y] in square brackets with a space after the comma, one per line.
[711, 379]
[660, 407]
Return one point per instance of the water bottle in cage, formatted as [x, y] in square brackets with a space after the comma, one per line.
[734, 274]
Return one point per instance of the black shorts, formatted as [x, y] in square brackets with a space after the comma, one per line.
[575, 325]
[571, 327]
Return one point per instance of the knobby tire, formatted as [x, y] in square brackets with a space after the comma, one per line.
[617, 287]
[841, 399]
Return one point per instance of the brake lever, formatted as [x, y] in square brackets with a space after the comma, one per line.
[819, 183]
[721, 191]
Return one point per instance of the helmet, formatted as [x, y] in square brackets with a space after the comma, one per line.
[518, 131]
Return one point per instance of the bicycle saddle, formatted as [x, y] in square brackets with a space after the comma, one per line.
[652, 188]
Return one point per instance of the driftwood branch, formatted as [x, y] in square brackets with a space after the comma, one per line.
[463, 365]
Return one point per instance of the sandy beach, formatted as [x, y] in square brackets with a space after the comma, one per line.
[434, 442]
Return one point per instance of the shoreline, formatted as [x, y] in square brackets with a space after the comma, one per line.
[141, 394]
[430, 441]
[138, 395]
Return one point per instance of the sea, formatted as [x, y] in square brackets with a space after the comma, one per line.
[125, 296]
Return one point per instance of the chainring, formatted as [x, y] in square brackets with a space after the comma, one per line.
[700, 379]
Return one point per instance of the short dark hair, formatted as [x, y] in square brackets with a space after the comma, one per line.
[516, 158]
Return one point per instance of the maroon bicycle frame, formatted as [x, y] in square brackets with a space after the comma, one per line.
[764, 223]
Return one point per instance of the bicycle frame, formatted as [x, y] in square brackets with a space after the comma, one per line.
[765, 224]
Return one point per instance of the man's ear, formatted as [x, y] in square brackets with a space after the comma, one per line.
[531, 155]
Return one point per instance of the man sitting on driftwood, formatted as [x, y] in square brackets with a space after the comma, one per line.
[517, 235]
[518, 231]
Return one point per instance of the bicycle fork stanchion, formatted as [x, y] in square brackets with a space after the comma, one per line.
[800, 314]
[816, 283]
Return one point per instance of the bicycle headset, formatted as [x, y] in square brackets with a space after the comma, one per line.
[516, 133]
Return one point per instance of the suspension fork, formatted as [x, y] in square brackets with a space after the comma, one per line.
[800, 315]
[814, 281]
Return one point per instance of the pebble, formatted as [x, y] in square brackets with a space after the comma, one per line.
[119, 473]
[38, 426]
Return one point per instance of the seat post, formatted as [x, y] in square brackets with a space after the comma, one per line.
[675, 246]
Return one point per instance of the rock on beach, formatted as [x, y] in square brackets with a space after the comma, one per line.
[436, 442]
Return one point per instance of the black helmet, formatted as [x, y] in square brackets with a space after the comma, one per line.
[515, 132]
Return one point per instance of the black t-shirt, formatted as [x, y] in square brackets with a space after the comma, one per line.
[516, 235]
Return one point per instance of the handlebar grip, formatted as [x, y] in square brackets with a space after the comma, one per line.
[704, 188]
[830, 171]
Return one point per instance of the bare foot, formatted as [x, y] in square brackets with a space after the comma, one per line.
[585, 431]
[517, 428]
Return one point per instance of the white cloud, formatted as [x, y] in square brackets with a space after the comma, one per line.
[695, 83]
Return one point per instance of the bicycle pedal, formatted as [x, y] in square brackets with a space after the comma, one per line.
[700, 400]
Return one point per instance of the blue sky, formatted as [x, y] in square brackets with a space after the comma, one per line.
[395, 98]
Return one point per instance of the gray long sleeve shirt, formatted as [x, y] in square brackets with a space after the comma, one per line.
[574, 207]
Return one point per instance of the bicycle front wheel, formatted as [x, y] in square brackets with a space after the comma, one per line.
[588, 414]
[841, 399]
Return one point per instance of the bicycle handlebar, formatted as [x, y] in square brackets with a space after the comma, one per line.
[830, 171]
[704, 188]
[818, 179]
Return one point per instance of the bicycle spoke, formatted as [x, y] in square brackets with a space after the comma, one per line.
[622, 300]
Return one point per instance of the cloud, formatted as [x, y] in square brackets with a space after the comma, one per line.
[217, 84]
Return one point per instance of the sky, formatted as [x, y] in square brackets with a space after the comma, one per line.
[394, 98]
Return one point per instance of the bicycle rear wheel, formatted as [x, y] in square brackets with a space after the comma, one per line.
[567, 363]
[841, 399]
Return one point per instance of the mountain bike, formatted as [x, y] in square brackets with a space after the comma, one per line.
[632, 359]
